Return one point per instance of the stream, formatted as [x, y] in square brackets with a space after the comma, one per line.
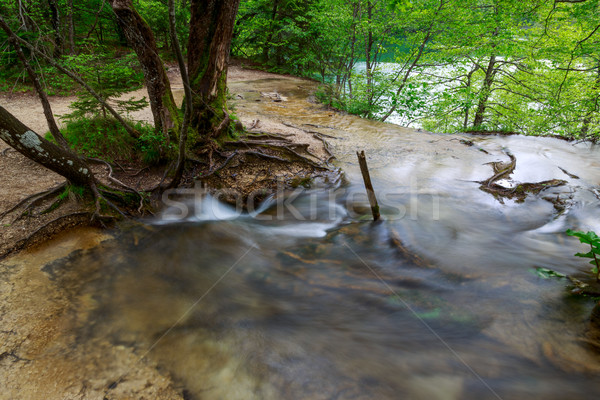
[306, 298]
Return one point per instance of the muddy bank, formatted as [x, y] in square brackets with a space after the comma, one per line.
[41, 357]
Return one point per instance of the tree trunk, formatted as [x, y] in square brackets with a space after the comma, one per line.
[266, 48]
[71, 26]
[490, 73]
[183, 134]
[141, 39]
[369, 41]
[468, 105]
[24, 18]
[55, 21]
[211, 29]
[38, 149]
[587, 120]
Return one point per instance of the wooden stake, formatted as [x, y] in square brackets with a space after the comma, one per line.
[362, 161]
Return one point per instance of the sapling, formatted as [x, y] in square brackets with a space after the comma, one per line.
[594, 241]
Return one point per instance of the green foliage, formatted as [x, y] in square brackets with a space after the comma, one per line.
[594, 241]
[546, 273]
[150, 146]
[107, 139]
[524, 66]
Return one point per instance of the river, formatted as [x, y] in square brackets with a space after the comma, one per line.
[309, 299]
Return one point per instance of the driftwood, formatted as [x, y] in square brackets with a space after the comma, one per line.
[518, 191]
[364, 169]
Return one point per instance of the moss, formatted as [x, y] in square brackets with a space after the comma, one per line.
[301, 181]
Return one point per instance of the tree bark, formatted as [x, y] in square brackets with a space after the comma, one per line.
[183, 135]
[71, 26]
[211, 30]
[490, 73]
[587, 120]
[55, 21]
[141, 38]
[24, 18]
[40, 150]
[265, 55]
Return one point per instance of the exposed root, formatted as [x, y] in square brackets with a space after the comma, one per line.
[311, 131]
[254, 125]
[5, 151]
[279, 146]
[222, 126]
[98, 197]
[227, 160]
[263, 135]
[266, 156]
[501, 170]
[325, 146]
[118, 182]
[410, 256]
[31, 201]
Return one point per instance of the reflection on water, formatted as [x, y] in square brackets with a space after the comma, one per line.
[313, 301]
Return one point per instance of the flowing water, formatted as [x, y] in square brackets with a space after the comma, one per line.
[308, 299]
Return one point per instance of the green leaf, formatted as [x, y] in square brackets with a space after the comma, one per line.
[546, 273]
[585, 255]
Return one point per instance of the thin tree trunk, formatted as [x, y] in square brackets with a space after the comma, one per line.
[490, 73]
[55, 21]
[96, 19]
[71, 26]
[183, 135]
[368, 48]
[588, 118]
[60, 139]
[40, 150]
[24, 18]
[211, 29]
[141, 38]
[468, 107]
[265, 55]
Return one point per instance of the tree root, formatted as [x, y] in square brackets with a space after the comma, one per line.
[311, 131]
[279, 146]
[227, 160]
[33, 200]
[5, 151]
[223, 125]
[520, 191]
[501, 170]
[408, 255]
[118, 182]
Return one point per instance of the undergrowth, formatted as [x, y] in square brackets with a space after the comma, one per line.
[106, 138]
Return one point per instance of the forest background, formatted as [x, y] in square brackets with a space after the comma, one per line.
[528, 66]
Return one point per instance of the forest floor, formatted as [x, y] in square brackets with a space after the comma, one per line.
[39, 356]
